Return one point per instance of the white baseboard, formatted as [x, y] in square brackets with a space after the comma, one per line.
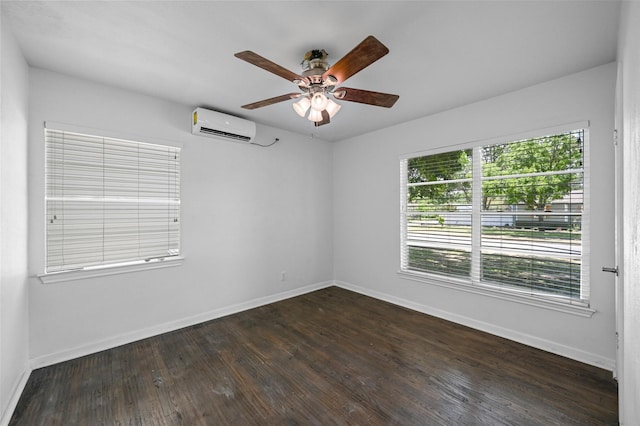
[15, 397]
[526, 339]
[112, 342]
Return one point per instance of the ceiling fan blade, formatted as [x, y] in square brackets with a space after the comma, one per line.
[265, 64]
[363, 55]
[325, 119]
[365, 97]
[271, 101]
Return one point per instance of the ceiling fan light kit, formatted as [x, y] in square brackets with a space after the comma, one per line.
[315, 115]
[319, 101]
[332, 108]
[319, 81]
[302, 106]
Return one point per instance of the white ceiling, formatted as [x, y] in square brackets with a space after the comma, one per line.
[443, 54]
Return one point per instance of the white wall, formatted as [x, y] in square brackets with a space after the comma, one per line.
[629, 60]
[14, 319]
[248, 213]
[367, 209]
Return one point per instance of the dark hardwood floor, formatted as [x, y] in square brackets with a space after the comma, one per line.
[327, 357]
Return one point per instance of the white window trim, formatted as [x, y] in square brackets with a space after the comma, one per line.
[526, 299]
[66, 127]
[469, 285]
[102, 271]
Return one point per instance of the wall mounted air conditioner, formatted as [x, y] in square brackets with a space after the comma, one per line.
[222, 126]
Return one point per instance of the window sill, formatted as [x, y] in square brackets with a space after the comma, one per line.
[81, 274]
[465, 285]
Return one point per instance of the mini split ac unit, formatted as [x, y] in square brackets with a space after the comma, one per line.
[222, 126]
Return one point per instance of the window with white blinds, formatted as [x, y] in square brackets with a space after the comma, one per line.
[509, 216]
[109, 201]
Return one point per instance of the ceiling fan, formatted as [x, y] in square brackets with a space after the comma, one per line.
[318, 80]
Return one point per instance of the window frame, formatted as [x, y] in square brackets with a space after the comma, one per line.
[112, 268]
[472, 283]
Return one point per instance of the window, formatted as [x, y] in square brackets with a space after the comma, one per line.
[506, 216]
[109, 201]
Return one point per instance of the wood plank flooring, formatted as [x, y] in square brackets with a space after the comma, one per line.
[331, 357]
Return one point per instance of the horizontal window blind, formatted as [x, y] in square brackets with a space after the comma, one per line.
[109, 201]
[532, 207]
[437, 199]
[509, 216]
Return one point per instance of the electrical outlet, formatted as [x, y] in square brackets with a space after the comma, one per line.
[283, 275]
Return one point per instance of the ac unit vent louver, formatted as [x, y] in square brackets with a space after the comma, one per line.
[222, 126]
[224, 134]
